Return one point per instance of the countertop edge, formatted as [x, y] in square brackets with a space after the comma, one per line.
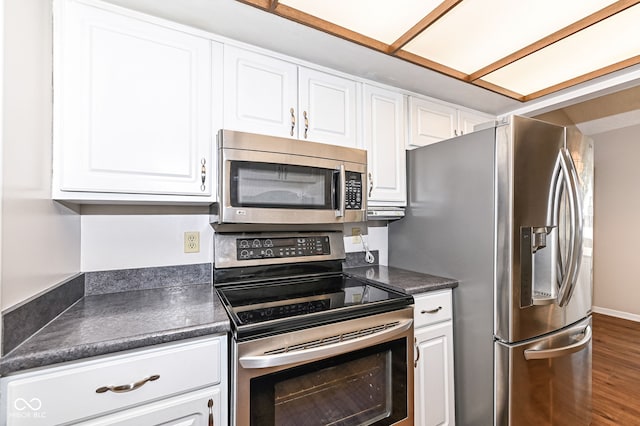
[15, 364]
[406, 281]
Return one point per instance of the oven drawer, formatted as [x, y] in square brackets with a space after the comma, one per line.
[78, 391]
[431, 308]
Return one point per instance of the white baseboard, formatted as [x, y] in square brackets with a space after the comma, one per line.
[618, 314]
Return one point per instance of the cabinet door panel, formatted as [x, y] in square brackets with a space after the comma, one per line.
[259, 93]
[430, 122]
[135, 105]
[385, 143]
[468, 120]
[191, 409]
[434, 397]
[329, 103]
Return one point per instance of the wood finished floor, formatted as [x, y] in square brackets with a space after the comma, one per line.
[616, 372]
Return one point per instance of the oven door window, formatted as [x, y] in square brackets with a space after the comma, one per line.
[270, 185]
[367, 387]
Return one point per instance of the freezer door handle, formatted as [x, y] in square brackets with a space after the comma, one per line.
[530, 354]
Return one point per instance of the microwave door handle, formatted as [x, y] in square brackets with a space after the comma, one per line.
[342, 184]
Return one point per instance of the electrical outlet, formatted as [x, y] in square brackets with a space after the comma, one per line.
[192, 242]
[356, 235]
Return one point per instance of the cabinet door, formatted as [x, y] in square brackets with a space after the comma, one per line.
[328, 108]
[133, 111]
[434, 388]
[384, 131]
[192, 409]
[467, 120]
[260, 93]
[430, 122]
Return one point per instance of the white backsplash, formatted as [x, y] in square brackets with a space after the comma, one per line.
[127, 237]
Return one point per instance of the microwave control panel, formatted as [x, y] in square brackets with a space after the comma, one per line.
[267, 248]
[353, 191]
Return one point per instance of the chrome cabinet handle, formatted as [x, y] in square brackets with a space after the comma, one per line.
[203, 173]
[128, 387]
[370, 184]
[432, 311]
[210, 405]
[530, 354]
[306, 123]
[415, 342]
[293, 120]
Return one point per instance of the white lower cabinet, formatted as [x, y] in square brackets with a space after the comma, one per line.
[199, 408]
[171, 384]
[434, 398]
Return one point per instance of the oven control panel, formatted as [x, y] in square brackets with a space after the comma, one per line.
[266, 248]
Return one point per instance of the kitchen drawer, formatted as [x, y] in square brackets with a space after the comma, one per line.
[432, 308]
[68, 393]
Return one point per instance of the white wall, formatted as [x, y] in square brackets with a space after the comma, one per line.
[123, 237]
[1, 142]
[616, 230]
[40, 238]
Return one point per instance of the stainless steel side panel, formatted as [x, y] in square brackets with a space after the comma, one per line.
[554, 390]
[448, 230]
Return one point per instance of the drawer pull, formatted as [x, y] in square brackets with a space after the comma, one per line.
[432, 311]
[128, 388]
[210, 405]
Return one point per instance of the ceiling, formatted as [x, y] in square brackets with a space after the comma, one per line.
[243, 23]
[523, 49]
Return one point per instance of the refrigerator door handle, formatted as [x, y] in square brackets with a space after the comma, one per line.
[530, 354]
[572, 183]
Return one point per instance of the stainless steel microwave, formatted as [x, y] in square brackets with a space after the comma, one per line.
[271, 180]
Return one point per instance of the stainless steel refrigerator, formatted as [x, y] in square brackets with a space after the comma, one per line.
[508, 211]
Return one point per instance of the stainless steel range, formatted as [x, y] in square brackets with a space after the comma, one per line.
[311, 345]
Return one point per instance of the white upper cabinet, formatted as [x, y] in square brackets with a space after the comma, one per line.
[270, 96]
[133, 113]
[260, 93]
[431, 122]
[468, 120]
[384, 139]
[328, 108]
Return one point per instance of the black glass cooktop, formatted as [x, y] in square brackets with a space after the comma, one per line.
[275, 306]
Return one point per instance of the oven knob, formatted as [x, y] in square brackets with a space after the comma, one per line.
[244, 254]
[256, 243]
[244, 244]
[268, 243]
[268, 253]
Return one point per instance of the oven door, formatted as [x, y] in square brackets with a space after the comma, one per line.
[277, 188]
[355, 372]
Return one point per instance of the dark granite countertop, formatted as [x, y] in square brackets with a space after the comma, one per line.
[106, 323]
[406, 281]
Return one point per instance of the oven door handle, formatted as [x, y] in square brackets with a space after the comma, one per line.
[326, 351]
